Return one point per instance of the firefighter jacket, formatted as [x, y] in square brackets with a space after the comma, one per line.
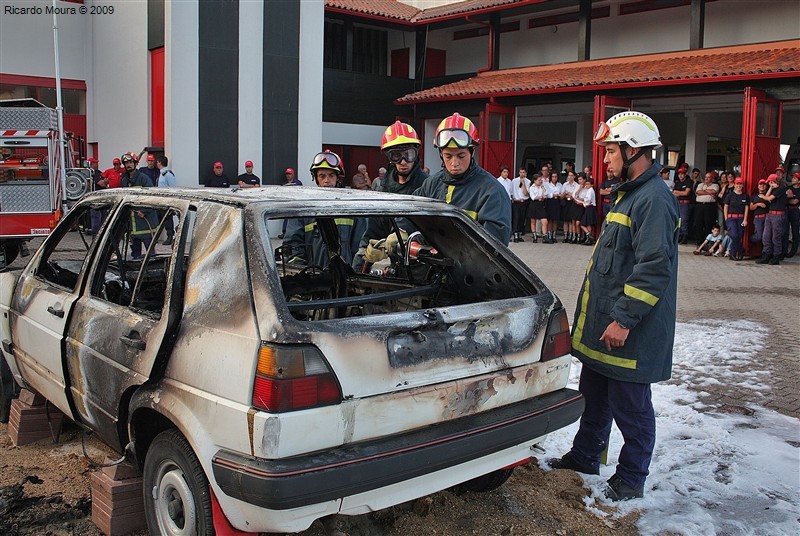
[308, 247]
[632, 278]
[477, 193]
[144, 225]
[379, 228]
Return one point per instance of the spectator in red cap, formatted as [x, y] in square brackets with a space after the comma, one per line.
[291, 180]
[112, 177]
[248, 179]
[775, 223]
[736, 210]
[150, 168]
[779, 172]
[793, 215]
[217, 178]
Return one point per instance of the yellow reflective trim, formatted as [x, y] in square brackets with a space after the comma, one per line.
[590, 352]
[621, 219]
[448, 198]
[310, 227]
[473, 215]
[608, 359]
[344, 221]
[679, 224]
[640, 295]
[620, 195]
[650, 126]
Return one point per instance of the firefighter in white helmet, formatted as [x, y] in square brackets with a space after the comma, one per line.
[624, 323]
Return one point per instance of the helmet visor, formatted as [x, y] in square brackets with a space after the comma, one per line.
[330, 158]
[409, 154]
[453, 136]
[603, 132]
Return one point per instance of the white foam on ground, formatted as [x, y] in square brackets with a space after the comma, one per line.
[712, 473]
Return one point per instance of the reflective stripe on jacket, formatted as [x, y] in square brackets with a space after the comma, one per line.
[632, 278]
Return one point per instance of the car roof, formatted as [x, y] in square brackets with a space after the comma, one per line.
[308, 196]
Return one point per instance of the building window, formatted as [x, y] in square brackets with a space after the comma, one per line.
[369, 51]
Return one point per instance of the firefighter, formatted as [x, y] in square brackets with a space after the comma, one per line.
[143, 222]
[400, 144]
[463, 183]
[304, 240]
[624, 324]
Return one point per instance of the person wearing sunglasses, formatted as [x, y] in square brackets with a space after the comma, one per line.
[463, 183]
[624, 325]
[304, 239]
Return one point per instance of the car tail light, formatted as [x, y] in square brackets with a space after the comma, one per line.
[557, 340]
[293, 377]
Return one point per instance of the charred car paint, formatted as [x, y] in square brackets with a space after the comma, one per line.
[299, 388]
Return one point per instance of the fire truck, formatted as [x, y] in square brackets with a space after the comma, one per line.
[34, 192]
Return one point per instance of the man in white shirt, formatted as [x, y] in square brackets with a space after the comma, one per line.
[520, 199]
[504, 180]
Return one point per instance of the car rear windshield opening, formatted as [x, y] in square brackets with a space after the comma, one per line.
[343, 266]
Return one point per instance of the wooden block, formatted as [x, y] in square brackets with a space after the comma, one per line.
[117, 505]
[121, 471]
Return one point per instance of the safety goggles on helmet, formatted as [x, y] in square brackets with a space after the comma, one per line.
[330, 158]
[453, 137]
[603, 132]
[409, 154]
[127, 158]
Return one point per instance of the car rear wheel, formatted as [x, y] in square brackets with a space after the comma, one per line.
[177, 500]
[487, 482]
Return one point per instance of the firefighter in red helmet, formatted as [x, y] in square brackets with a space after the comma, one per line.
[463, 183]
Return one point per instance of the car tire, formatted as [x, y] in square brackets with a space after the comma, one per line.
[176, 493]
[10, 253]
[487, 482]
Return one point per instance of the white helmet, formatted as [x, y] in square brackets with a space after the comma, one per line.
[634, 128]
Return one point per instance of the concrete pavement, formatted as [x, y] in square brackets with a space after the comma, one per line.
[710, 288]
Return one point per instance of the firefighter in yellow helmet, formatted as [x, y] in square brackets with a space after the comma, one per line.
[400, 144]
[463, 183]
[304, 240]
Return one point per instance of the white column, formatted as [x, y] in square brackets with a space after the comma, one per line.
[696, 141]
[251, 69]
[583, 143]
[181, 80]
[309, 116]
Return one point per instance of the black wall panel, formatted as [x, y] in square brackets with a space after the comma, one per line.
[218, 93]
[281, 87]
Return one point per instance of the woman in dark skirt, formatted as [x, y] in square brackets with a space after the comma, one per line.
[568, 206]
[589, 218]
[552, 206]
[536, 210]
[576, 212]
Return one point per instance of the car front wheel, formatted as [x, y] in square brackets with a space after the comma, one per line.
[177, 500]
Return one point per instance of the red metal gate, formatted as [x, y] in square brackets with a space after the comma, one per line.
[604, 107]
[761, 139]
[497, 138]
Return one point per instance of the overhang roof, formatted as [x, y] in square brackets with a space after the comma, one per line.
[394, 11]
[735, 63]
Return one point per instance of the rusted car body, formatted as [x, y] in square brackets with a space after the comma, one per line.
[300, 391]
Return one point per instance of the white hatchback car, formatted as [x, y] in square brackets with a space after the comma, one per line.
[286, 392]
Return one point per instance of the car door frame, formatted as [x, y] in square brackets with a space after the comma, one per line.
[40, 312]
[111, 349]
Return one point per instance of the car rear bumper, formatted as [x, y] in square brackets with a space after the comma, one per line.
[336, 473]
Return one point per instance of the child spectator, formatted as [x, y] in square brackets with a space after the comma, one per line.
[586, 198]
[712, 245]
[759, 205]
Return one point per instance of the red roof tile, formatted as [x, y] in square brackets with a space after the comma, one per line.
[390, 9]
[768, 60]
[399, 12]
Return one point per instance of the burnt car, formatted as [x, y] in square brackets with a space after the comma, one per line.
[285, 391]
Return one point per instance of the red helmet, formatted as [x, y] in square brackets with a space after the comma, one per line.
[399, 134]
[456, 131]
